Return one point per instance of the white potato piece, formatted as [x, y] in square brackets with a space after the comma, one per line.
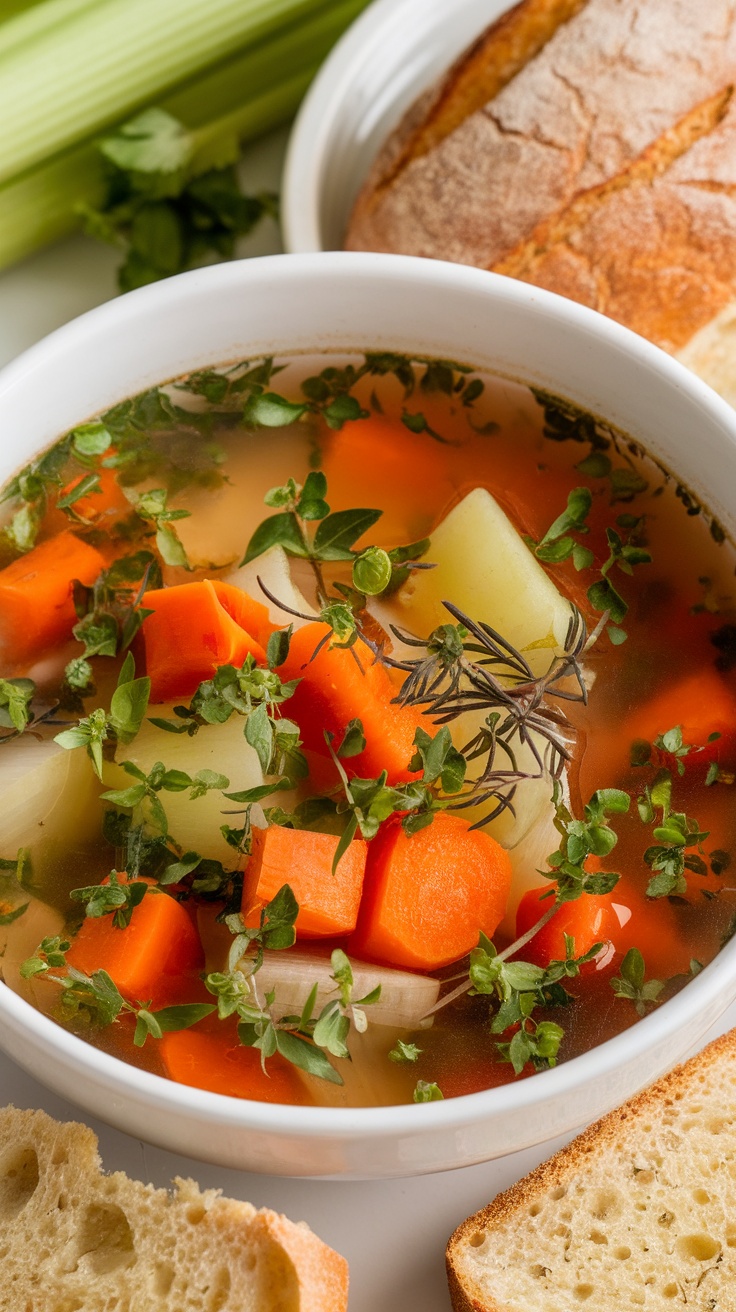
[195, 825]
[223, 519]
[49, 801]
[274, 569]
[483, 566]
[19, 940]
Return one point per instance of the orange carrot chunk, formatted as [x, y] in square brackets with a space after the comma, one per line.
[341, 684]
[211, 1057]
[622, 919]
[196, 627]
[107, 498]
[590, 920]
[36, 604]
[427, 897]
[328, 904]
[365, 464]
[702, 704]
[150, 957]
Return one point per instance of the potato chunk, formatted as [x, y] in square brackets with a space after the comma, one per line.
[484, 566]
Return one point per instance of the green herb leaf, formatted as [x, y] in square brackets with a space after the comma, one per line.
[404, 1052]
[269, 410]
[337, 533]
[425, 1092]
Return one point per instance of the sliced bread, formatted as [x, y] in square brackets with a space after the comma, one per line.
[638, 1212]
[73, 1239]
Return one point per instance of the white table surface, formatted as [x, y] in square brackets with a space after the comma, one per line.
[392, 1233]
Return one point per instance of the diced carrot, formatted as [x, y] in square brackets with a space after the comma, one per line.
[195, 628]
[427, 897]
[366, 464]
[150, 957]
[622, 919]
[210, 1057]
[702, 704]
[109, 496]
[36, 603]
[341, 684]
[328, 904]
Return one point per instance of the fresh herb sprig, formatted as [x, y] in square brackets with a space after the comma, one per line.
[257, 694]
[142, 796]
[304, 1039]
[173, 197]
[671, 745]
[675, 833]
[561, 543]
[152, 507]
[43, 482]
[330, 393]
[103, 728]
[375, 571]
[633, 985]
[116, 895]
[468, 666]
[16, 710]
[110, 613]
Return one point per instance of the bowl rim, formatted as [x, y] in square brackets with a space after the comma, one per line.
[308, 151]
[22, 1019]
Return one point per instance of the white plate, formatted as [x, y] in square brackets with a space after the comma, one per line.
[391, 53]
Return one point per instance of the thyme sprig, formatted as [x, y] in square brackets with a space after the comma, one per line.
[305, 1039]
[561, 542]
[375, 571]
[119, 724]
[675, 833]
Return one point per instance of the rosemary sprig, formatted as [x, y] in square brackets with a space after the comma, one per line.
[469, 667]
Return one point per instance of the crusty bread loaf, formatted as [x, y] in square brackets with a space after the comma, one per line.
[588, 147]
[638, 1212]
[73, 1239]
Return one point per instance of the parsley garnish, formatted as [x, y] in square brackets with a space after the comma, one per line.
[173, 197]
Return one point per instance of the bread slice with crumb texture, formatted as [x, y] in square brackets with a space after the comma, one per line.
[73, 1239]
[637, 1212]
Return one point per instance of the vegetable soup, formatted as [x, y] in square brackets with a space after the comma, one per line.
[367, 731]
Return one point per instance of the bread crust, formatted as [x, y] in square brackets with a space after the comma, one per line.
[571, 1160]
[601, 166]
[76, 1238]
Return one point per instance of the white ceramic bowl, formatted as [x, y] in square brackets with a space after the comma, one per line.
[386, 58]
[343, 301]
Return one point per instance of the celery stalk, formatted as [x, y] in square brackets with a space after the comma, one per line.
[106, 62]
[259, 87]
[255, 69]
[37, 20]
[40, 207]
